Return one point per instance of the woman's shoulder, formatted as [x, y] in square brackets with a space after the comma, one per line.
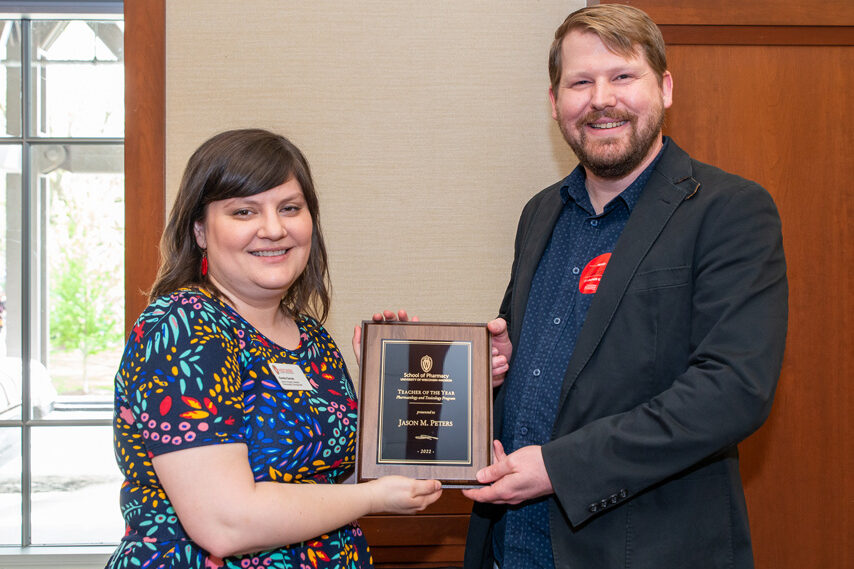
[185, 307]
[316, 335]
[186, 299]
[312, 327]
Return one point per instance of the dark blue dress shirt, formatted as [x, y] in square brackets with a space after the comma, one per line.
[566, 279]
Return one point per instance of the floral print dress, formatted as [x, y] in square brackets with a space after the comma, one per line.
[195, 373]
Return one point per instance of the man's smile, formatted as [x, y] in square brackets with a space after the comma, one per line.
[607, 125]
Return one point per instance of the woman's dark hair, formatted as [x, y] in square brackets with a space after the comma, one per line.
[240, 163]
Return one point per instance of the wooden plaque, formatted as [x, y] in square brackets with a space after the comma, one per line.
[425, 401]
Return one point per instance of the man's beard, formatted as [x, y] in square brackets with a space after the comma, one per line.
[611, 163]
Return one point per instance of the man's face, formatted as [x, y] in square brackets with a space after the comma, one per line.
[610, 109]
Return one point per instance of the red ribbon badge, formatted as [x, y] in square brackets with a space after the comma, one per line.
[591, 276]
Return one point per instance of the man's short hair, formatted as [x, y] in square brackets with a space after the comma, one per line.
[621, 28]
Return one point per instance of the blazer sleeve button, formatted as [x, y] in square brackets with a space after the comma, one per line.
[592, 508]
[623, 494]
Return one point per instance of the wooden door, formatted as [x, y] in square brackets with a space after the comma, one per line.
[762, 89]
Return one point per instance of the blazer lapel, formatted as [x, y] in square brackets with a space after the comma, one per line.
[670, 184]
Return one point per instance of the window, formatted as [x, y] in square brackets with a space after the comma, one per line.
[61, 272]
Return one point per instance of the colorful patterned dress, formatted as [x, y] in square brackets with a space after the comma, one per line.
[195, 373]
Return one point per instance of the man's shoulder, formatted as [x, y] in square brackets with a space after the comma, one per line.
[704, 171]
[676, 165]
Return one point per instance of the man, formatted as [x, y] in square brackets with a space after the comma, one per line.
[641, 334]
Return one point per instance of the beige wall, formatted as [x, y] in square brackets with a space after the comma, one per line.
[427, 125]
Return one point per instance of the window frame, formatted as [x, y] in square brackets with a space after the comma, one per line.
[144, 144]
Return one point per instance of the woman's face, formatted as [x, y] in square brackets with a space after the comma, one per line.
[257, 245]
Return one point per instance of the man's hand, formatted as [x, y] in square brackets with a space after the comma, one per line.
[513, 478]
[501, 350]
[384, 316]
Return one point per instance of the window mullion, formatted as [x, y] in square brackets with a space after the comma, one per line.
[26, 282]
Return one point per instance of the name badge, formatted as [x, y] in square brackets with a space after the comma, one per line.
[290, 377]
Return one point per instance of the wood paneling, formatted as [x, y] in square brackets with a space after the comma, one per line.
[772, 115]
[451, 502]
[418, 556]
[758, 35]
[145, 147]
[416, 530]
[434, 538]
[747, 12]
[761, 92]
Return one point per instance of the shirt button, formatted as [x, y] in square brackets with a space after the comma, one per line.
[556, 320]
[524, 430]
[594, 222]
[536, 373]
[575, 270]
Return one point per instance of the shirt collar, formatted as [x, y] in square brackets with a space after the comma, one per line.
[574, 188]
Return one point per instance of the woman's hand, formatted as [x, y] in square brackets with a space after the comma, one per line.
[384, 316]
[402, 495]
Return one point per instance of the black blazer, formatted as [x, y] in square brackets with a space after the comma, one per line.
[676, 363]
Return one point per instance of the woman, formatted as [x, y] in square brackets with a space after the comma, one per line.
[235, 415]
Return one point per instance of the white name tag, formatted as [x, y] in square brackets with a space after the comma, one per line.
[290, 377]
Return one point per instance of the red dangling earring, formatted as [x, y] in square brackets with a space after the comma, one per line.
[204, 263]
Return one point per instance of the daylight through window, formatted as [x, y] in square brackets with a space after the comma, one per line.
[61, 277]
